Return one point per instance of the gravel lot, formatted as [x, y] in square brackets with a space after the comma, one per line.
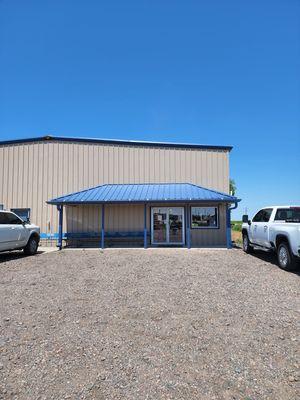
[148, 324]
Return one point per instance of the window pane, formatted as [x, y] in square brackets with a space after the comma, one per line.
[23, 213]
[204, 217]
[267, 214]
[3, 219]
[13, 219]
[288, 214]
[258, 216]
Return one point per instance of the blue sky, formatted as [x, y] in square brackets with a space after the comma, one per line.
[211, 72]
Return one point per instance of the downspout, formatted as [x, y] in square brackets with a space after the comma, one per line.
[228, 227]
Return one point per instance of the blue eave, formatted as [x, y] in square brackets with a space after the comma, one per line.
[144, 193]
[115, 142]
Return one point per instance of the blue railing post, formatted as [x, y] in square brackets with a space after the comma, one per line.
[145, 226]
[60, 226]
[228, 228]
[188, 228]
[102, 226]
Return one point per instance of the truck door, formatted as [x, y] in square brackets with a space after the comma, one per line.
[261, 227]
[15, 230]
[3, 231]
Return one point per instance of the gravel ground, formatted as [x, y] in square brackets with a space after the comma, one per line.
[148, 324]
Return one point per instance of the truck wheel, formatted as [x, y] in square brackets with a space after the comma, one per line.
[284, 257]
[31, 246]
[246, 244]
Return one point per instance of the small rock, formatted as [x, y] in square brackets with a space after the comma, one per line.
[291, 379]
[7, 319]
[103, 358]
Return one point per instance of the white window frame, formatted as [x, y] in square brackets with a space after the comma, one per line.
[205, 227]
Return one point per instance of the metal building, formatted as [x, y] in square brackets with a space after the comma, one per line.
[134, 192]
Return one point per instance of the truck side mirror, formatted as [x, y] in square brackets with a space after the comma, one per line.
[245, 218]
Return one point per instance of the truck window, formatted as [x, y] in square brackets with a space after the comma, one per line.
[267, 214]
[288, 214]
[258, 216]
[3, 219]
[263, 215]
[12, 219]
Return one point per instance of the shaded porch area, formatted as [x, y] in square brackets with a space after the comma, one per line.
[143, 215]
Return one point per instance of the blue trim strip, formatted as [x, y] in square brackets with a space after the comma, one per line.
[50, 138]
[92, 235]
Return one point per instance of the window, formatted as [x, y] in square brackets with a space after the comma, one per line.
[263, 215]
[204, 217]
[3, 219]
[1, 206]
[288, 214]
[7, 218]
[23, 213]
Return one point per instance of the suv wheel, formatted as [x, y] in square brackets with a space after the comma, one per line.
[284, 257]
[32, 246]
[246, 244]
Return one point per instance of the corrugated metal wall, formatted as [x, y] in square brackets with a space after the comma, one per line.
[32, 173]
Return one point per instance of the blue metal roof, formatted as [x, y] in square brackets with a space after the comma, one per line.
[144, 193]
[50, 138]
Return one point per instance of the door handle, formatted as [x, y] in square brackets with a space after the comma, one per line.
[265, 227]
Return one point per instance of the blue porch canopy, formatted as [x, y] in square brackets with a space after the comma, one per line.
[144, 193]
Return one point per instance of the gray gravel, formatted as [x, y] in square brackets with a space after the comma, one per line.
[148, 324]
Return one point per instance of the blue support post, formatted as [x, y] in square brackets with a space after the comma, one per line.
[188, 228]
[60, 226]
[145, 226]
[102, 226]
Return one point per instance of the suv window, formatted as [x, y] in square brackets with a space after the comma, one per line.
[263, 215]
[12, 219]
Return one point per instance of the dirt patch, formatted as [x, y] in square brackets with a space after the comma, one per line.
[148, 324]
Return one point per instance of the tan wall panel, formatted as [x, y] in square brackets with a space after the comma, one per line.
[32, 173]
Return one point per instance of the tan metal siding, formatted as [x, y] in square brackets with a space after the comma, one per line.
[32, 173]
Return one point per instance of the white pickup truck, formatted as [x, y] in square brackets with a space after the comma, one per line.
[16, 234]
[275, 228]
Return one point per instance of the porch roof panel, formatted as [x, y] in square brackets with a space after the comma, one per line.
[144, 193]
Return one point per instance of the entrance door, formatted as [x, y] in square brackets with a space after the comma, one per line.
[167, 225]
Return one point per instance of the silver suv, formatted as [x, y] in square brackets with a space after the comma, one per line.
[16, 234]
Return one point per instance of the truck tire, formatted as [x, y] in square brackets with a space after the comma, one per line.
[285, 257]
[246, 244]
[32, 246]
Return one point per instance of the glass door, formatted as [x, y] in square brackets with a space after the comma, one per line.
[176, 215]
[167, 225]
[159, 225]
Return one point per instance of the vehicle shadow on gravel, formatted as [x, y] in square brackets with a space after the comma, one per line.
[14, 255]
[272, 259]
